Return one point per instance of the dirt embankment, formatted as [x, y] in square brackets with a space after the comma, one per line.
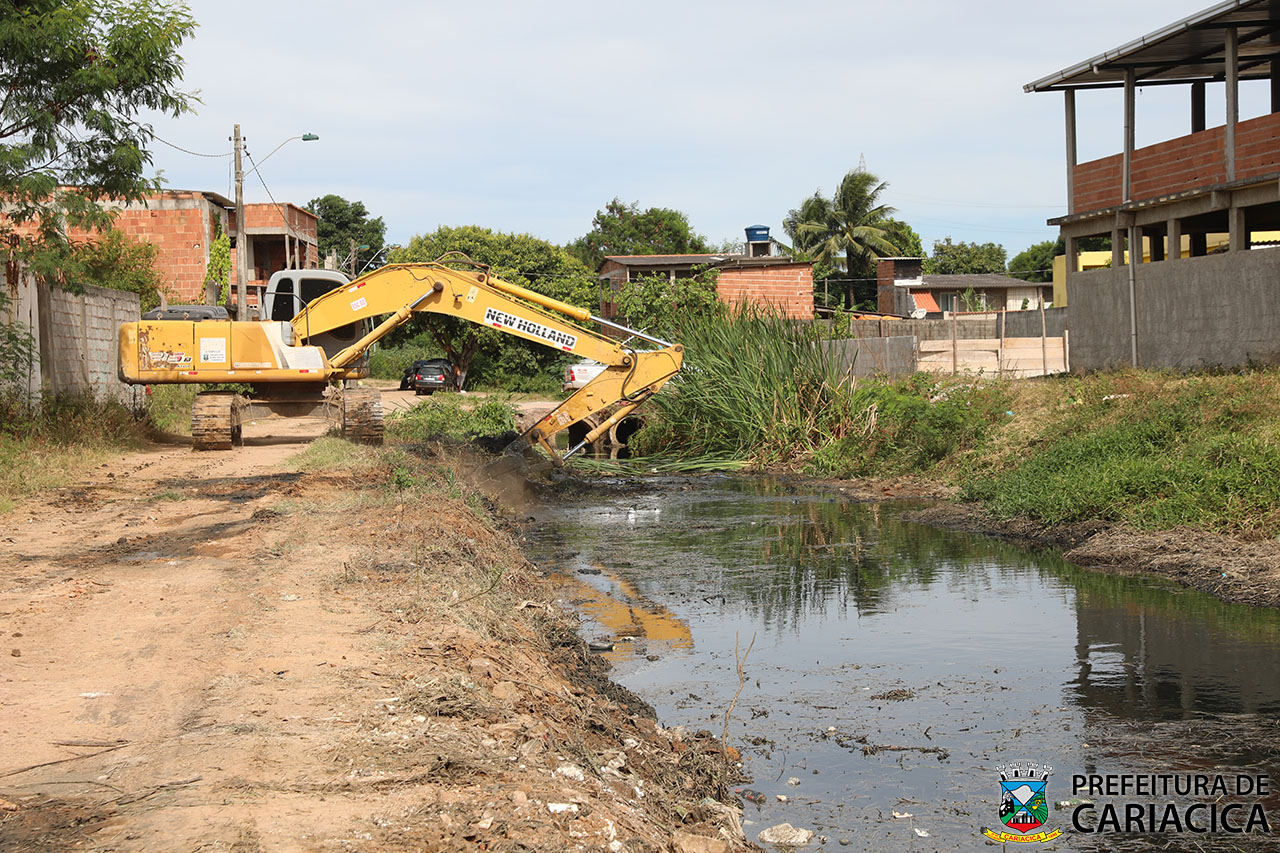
[225, 651]
[1235, 570]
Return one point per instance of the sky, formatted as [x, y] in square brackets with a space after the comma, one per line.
[529, 117]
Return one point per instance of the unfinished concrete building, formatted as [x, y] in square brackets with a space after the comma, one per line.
[1172, 302]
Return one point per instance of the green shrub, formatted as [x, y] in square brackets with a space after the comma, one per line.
[444, 417]
[909, 426]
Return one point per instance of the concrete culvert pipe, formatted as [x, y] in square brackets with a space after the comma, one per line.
[578, 431]
[620, 436]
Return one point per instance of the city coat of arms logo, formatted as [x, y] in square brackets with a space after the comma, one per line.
[1024, 804]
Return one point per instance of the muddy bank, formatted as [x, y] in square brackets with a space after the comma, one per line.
[1233, 569]
[246, 651]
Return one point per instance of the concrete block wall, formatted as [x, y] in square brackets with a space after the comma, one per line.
[863, 357]
[786, 287]
[1018, 324]
[1213, 311]
[78, 340]
[23, 311]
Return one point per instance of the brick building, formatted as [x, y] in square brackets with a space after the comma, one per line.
[184, 223]
[280, 237]
[758, 275]
[1175, 301]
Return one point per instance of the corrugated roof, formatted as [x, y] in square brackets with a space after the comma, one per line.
[661, 260]
[1186, 51]
[720, 260]
[924, 299]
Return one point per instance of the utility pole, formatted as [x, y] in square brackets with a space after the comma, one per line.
[353, 258]
[242, 252]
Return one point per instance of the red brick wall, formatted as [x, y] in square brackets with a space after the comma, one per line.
[787, 287]
[1258, 146]
[183, 236]
[269, 216]
[1185, 163]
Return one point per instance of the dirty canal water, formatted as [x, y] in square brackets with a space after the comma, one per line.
[894, 667]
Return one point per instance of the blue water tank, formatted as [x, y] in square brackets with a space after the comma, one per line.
[757, 233]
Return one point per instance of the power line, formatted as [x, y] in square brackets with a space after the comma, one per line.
[177, 147]
[992, 204]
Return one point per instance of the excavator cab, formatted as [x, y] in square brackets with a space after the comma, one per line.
[290, 291]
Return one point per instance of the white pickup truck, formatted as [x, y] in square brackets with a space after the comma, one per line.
[577, 375]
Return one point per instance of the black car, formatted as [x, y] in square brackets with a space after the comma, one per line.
[406, 381]
[434, 374]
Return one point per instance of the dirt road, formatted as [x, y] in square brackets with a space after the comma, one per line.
[220, 651]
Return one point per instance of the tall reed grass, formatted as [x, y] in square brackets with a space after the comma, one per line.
[755, 386]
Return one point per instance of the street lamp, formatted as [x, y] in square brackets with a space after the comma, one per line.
[242, 251]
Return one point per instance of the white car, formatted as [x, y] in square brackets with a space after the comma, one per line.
[577, 375]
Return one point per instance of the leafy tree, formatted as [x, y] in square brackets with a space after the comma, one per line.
[659, 305]
[342, 222]
[852, 226]
[18, 354]
[119, 263]
[75, 74]
[1035, 263]
[965, 258]
[496, 358]
[905, 238]
[624, 229]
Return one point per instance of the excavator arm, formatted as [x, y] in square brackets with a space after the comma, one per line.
[631, 376]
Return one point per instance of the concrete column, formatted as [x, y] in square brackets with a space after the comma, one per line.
[1238, 229]
[1275, 88]
[1130, 92]
[1174, 229]
[1197, 107]
[1135, 260]
[1117, 245]
[1233, 100]
[1156, 238]
[1198, 245]
[1069, 98]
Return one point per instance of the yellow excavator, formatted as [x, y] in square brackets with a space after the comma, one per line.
[292, 375]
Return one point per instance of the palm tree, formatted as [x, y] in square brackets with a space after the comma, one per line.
[852, 224]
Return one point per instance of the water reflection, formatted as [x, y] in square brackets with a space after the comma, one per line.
[1146, 651]
[1005, 654]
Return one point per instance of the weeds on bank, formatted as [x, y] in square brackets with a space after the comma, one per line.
[762, 389]
[46, 444]
[1151, 449]
[754, 386]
